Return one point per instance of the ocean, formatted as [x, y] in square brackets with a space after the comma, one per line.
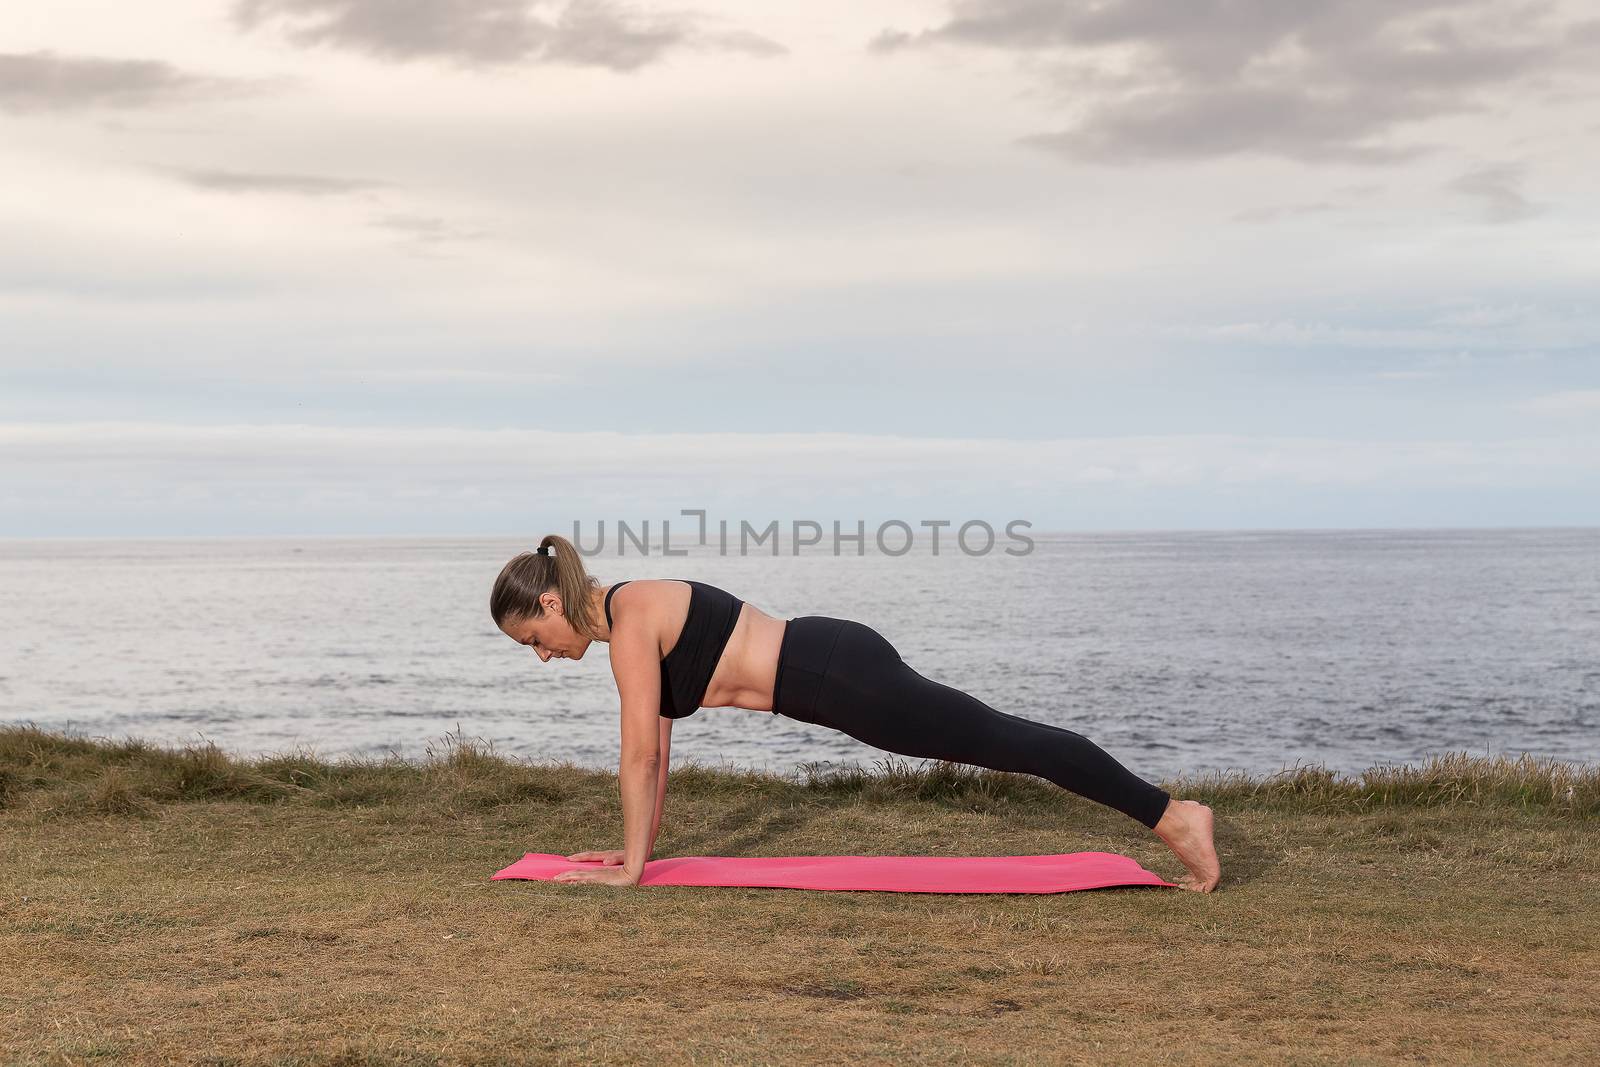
[1176, 652]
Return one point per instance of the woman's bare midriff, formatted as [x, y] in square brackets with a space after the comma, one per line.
[748, 668]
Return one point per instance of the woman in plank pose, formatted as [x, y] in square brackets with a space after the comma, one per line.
[679, 645]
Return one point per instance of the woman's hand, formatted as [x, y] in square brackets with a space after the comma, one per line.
[602, 875]
[610, 857]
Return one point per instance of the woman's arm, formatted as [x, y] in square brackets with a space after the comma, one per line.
[637, 667]
[661, 780]
[613, 858]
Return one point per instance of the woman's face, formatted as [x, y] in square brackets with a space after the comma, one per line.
[550, 636]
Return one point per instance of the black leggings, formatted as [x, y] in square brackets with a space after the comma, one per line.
[844, 675]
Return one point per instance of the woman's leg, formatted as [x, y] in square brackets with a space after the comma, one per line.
[871, 694]
[846, 676]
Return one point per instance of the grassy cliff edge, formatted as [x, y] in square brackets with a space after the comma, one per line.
[178, 904]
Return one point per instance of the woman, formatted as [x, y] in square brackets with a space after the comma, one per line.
[681, 645]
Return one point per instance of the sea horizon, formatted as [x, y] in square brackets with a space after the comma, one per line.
[1179, 652]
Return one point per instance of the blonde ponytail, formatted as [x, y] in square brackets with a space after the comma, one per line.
[556, 566]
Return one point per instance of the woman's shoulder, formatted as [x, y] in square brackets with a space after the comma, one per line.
[648, 585]
[663, 593]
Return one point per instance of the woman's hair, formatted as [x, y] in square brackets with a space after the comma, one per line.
[531, 574]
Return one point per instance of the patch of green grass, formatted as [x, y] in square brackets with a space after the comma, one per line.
[1452, 780]
[460, 777]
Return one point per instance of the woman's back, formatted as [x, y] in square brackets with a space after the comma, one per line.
[724, 654]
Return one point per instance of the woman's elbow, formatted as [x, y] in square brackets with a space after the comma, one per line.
[642, 759]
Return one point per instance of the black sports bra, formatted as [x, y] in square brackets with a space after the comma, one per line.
[687, 669]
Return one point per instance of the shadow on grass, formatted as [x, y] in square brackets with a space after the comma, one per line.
[744, 829]
[1244, 859]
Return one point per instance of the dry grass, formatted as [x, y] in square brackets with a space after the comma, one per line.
[181, 906]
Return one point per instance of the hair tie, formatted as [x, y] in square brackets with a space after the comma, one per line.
[544, 550]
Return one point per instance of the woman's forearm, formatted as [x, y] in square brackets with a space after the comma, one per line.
[639, 789]
[664, 738]
[661, 802]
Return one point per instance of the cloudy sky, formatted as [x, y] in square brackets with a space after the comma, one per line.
[493, 266]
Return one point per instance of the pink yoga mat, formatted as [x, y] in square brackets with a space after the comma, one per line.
[895, 874]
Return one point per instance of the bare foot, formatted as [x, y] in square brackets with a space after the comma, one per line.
[1186, 828]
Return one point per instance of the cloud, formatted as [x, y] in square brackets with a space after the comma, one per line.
[1567, 402]
[1268, 214]
[425, 233]
[46, 82]
[427, 229]
[475, 33]
[1273, 212]
[1331, 81]
[627, 462]
[427, 236]
[228, 181]
[1496, 187]
[89, 477]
